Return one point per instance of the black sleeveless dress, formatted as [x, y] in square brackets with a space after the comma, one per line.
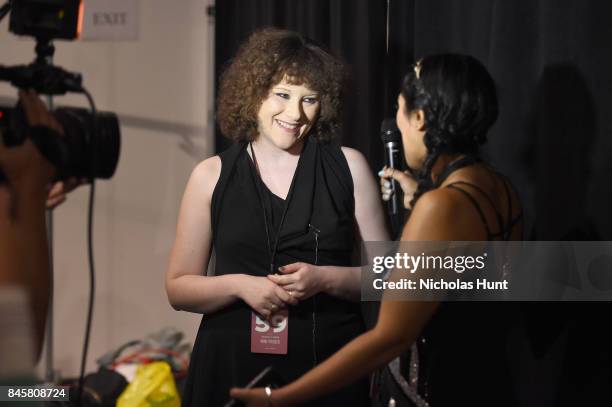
[466, 348]
[316, 225]
[463, 355]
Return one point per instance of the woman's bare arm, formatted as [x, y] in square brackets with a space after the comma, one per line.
[187, 285]
[370, 218]
[345, 282]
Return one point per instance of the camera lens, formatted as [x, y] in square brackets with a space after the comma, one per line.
[92, 148]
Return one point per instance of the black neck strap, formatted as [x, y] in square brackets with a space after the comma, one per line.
[259, 181]
[464, 161]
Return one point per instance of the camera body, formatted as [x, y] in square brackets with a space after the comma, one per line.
[91, 142]
[46, 18]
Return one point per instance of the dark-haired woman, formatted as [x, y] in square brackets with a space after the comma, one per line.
[446, 106]
[282, 208]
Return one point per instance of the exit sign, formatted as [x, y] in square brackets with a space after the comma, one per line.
[110, 20]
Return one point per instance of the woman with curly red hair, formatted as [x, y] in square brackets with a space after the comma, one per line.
[283, 209]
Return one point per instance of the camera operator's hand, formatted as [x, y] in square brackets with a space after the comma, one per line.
[38, 115]
[38, 168]
[59, 190]
[24, 165]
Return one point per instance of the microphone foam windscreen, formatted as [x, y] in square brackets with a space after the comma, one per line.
[389, 131]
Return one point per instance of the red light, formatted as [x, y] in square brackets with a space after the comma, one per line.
[1, 115]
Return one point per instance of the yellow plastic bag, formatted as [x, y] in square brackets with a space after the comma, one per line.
[153, 386]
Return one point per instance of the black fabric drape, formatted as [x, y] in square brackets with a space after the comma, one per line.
[551, 60]
[552, 63]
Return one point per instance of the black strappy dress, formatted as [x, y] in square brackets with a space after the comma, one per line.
[317, 225]
[462, 355]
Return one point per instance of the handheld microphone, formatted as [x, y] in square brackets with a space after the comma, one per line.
[392, 141]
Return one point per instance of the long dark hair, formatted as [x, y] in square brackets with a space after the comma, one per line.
[459, 101]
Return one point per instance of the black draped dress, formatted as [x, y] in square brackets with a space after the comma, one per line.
[317, 225]
[463, 356]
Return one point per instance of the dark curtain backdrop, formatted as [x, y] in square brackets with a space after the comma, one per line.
[552, 61]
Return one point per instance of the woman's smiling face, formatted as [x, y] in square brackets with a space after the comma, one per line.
[287, 114]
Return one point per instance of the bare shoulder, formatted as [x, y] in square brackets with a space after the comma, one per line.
[356, 162]
[204, 178]
[368, 209]
[438, 202]
[363, 180]
[352, 154]
[210, 167]
[440, 214]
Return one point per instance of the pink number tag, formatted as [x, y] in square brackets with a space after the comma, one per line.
[270, 336]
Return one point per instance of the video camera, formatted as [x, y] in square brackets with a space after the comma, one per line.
[91, 142]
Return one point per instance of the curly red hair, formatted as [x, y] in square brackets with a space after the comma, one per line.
[269, 56]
